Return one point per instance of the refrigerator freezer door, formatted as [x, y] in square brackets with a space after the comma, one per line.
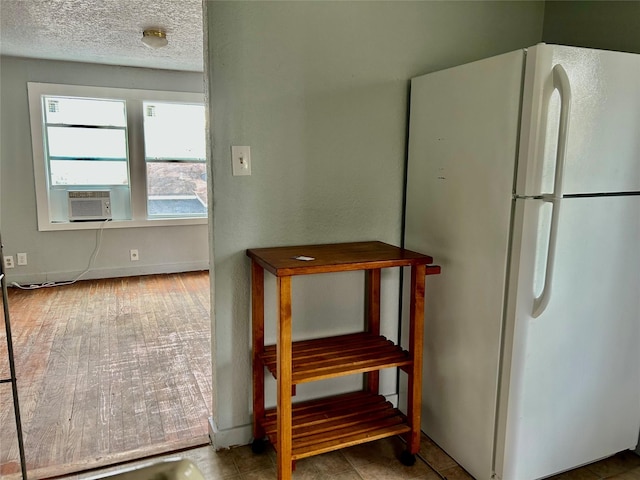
[603, 140]
[572, 394]
[463, 131]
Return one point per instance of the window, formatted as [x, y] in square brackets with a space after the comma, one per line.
[146, 148]
[175, 154]
[85, 141]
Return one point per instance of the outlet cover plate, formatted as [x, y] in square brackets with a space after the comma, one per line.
[8, 261]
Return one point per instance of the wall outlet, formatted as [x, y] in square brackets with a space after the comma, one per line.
[22, 258]
[8, 261]
[133, 254]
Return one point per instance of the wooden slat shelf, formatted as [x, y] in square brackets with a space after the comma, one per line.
[320, 426]
[335, 356]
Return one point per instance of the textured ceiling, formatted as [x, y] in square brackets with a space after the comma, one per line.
[103, 31]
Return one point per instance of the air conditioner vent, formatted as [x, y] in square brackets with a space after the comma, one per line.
[89, 205]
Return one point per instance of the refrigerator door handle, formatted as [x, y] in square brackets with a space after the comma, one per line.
[540, 303]
[560, 83]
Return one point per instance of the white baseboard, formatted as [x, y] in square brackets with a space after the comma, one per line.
[116, 272]
[232, 437]
[393, 398]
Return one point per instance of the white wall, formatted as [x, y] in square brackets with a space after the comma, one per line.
[319, 91]
[55, 256]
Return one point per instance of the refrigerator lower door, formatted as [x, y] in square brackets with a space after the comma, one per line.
[570, 392]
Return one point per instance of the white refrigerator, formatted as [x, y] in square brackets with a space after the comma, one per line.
[523, 183]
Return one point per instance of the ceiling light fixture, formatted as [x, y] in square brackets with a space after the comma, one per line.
[154, 38]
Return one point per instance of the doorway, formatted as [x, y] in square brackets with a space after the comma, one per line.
[133, 353]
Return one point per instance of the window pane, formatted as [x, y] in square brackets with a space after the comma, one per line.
[77, 142]
[174, 131]
[84, 111]
[176, 189]
[88, 172]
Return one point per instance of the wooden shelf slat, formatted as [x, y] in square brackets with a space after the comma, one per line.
[351, 342]
[316, 414]
[349, 441]
[320, 426]
[351, 339]
[342, 355]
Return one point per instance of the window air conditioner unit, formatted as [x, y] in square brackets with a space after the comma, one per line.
[89, 205]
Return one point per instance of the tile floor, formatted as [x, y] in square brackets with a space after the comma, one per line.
[371, 461]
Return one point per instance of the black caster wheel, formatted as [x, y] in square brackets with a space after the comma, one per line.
[408, 459]
[258, 446]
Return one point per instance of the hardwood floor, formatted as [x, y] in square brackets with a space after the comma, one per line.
[108, 370]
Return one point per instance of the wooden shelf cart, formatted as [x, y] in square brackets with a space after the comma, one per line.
[313, 427]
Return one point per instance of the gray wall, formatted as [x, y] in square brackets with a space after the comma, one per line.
[608, 25]
[319, 91]
[55, 256]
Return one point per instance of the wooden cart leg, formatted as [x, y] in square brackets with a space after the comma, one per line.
[284, 372]
[416, 332]
[372, 313]
[257, 333]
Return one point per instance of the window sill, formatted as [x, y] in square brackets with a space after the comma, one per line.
[159, 222]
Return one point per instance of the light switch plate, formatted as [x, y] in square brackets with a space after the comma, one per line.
[241, 160]
[22, 258]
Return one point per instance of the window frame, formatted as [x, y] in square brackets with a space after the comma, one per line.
[134, 99]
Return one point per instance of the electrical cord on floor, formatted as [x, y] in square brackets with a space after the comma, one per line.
[70, 282]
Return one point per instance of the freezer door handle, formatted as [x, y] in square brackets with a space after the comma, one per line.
[560, 83]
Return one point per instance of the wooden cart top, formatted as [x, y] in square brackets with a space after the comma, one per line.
[338, 257]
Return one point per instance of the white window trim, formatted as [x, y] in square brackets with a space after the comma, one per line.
[137, 181]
